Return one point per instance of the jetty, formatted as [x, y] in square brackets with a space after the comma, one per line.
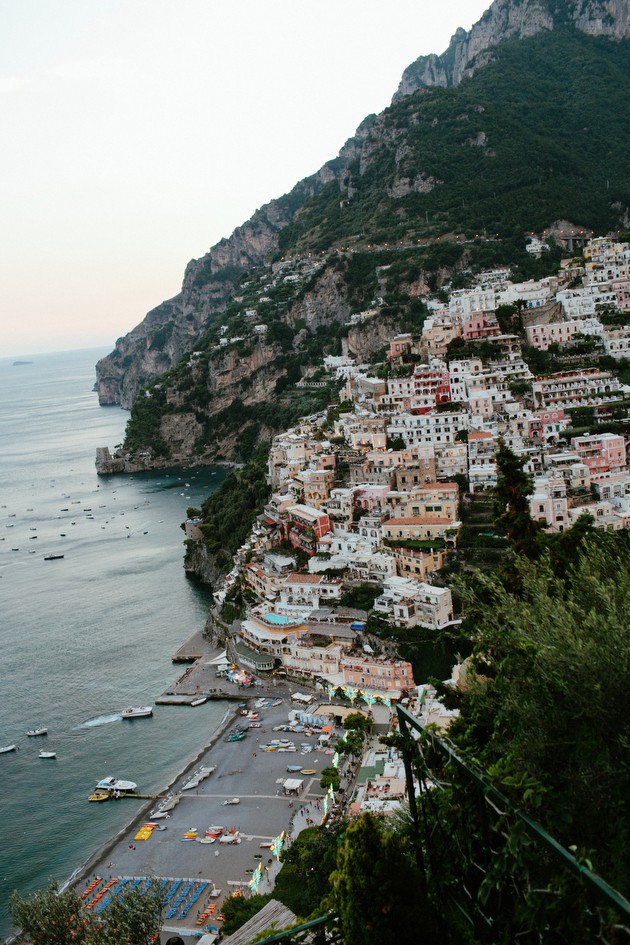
[199, 680]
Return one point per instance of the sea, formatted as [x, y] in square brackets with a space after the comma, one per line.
[85, 635]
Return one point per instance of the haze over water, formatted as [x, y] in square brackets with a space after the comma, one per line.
[84, 636]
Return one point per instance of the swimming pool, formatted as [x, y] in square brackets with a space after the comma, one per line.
[277, 619]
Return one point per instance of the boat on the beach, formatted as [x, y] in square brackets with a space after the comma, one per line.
[52, 557]
[137, 712]
[7, 748]
[293, 768]
[116, 785]
[232, 800]
[232, 836]
[235, 737]
[48, 754]
[33, 732]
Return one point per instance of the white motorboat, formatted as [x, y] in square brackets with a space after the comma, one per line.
[113, 785]
[7, 748]
[48, 754]
[32, 732]
[137, 712]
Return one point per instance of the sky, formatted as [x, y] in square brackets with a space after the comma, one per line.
[138, 133]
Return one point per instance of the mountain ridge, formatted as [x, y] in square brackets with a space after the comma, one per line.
[408, 146]
[507, 19]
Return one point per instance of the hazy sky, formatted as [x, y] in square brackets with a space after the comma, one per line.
[137, 133]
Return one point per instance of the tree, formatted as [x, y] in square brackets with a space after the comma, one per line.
[132, 918]
[49, 917]
[511, 495]
[239, 909]
[329, 778]
[357, 727]
[377, 887]
[303, 883]
[362, 596]
[547, 707]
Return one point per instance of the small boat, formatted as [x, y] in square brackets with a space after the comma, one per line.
[137, 712]
[7, 748]
[200, 700]
[98, 797]
[33, 732]
[48, 754]
[116, 785]
[235, 737]
[232, 800]
[309, 771]
[52, 557]
[292, 769]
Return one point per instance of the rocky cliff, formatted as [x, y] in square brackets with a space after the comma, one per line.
[424, 177]
[172, 328]
[203, 410]
[508, 19]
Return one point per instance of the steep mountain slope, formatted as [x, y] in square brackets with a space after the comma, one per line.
[446, 179]
[172, 328]
[504, 20]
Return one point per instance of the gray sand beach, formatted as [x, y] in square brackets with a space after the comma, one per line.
[240, 769]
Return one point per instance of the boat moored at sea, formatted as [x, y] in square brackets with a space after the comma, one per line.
[48, 754]
[33, 732]
[7, 748]
[116, 785]
[137, 712]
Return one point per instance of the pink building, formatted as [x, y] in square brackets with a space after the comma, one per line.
[548, 424]
[601, 452]
[399, 346]
[431, 386]
[377, 674]
[480, 325]
[306, 527]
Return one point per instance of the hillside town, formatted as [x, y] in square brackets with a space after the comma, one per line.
[369, 493]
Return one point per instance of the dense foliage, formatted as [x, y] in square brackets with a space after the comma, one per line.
[543, 718]
[509, 150]
[377, 887]
[229, 512]
[49, 917]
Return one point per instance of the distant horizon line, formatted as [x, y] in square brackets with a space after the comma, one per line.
[39, 354]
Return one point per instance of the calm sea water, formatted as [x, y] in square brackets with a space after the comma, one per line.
[84, 636]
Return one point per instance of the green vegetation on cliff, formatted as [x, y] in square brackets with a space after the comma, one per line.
[509, 150]
[229, 513]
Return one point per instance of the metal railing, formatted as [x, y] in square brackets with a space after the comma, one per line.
[491, 828]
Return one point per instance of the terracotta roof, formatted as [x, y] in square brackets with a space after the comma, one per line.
[296, 578]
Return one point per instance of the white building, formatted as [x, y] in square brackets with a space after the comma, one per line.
[410, 603]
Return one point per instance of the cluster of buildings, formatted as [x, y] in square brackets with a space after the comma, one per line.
[368, 492]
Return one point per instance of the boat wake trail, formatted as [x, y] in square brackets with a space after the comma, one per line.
[102, 720]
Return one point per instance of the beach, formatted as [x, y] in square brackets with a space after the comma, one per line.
[98, 629]
[240, 770]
